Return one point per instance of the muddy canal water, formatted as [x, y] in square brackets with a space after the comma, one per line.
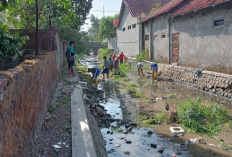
[152, 142]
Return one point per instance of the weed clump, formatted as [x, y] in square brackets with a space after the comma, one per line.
[151, 121]
[123, 69]
[206, 118]
[143, 56]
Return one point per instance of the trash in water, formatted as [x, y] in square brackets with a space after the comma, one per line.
[84, 83]
[118, 145]
[126, 152]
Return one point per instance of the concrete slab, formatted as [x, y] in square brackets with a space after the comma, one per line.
[82, 142]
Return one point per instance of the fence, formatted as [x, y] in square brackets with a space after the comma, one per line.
[49, 40]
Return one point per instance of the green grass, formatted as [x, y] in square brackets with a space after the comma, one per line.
[205, 118]
[131, 89]
[124, 69]
[138, 95]
[226, 146]
[143, 56]
[44, 150]
[171, 96]
[65, 62]
[63, 75]
[52, 108]
[69, 128]
[150, 122]
[146, 67]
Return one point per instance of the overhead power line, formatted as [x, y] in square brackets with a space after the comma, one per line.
[104, 11]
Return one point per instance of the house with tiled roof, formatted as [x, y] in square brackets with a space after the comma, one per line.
[192, 33]
[128, 30]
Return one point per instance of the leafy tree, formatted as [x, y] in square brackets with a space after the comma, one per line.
[94, 30]
[102, 28]
[106, 27]
[10, 44]
[3, 19]
[66, 16]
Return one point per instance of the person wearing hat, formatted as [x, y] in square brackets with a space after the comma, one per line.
[140, 68]
[106, 68]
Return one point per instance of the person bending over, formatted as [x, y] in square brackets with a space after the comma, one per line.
[140, 68]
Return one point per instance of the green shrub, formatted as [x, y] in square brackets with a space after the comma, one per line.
[138, 95]
[143, 56]
[131, 89]
[104, 52]
[199, 117]
[10, 44]
[123, 69]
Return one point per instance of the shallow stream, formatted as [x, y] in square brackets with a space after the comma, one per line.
[119, 106]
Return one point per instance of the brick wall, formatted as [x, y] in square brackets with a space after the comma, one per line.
[25, 93]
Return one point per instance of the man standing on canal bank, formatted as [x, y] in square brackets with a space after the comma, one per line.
[121, 56]
[70, 52]
[106, 68]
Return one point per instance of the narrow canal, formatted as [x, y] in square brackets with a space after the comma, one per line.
[123, 137]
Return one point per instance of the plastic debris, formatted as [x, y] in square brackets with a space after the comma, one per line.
[56, 146]
[176, 130]
[84, 83]
[212, 145]
[194, 140]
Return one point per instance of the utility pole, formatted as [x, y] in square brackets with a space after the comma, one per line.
[103, 11]
[37, 27]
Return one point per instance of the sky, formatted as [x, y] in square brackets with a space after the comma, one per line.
[112, 7]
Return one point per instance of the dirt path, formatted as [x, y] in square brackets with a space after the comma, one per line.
[56, 133]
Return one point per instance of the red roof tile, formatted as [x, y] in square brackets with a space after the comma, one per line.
[178, 7]
[137, 7]
[165, 9]
[192, 5]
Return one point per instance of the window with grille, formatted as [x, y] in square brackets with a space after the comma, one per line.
[129, 27]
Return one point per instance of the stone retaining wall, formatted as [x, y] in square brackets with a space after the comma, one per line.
[211, 82]
[25, 93]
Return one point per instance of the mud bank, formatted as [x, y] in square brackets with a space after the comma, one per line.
[211, 82]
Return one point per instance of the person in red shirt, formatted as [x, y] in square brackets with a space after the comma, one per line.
[121, 57]
[114, 56]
